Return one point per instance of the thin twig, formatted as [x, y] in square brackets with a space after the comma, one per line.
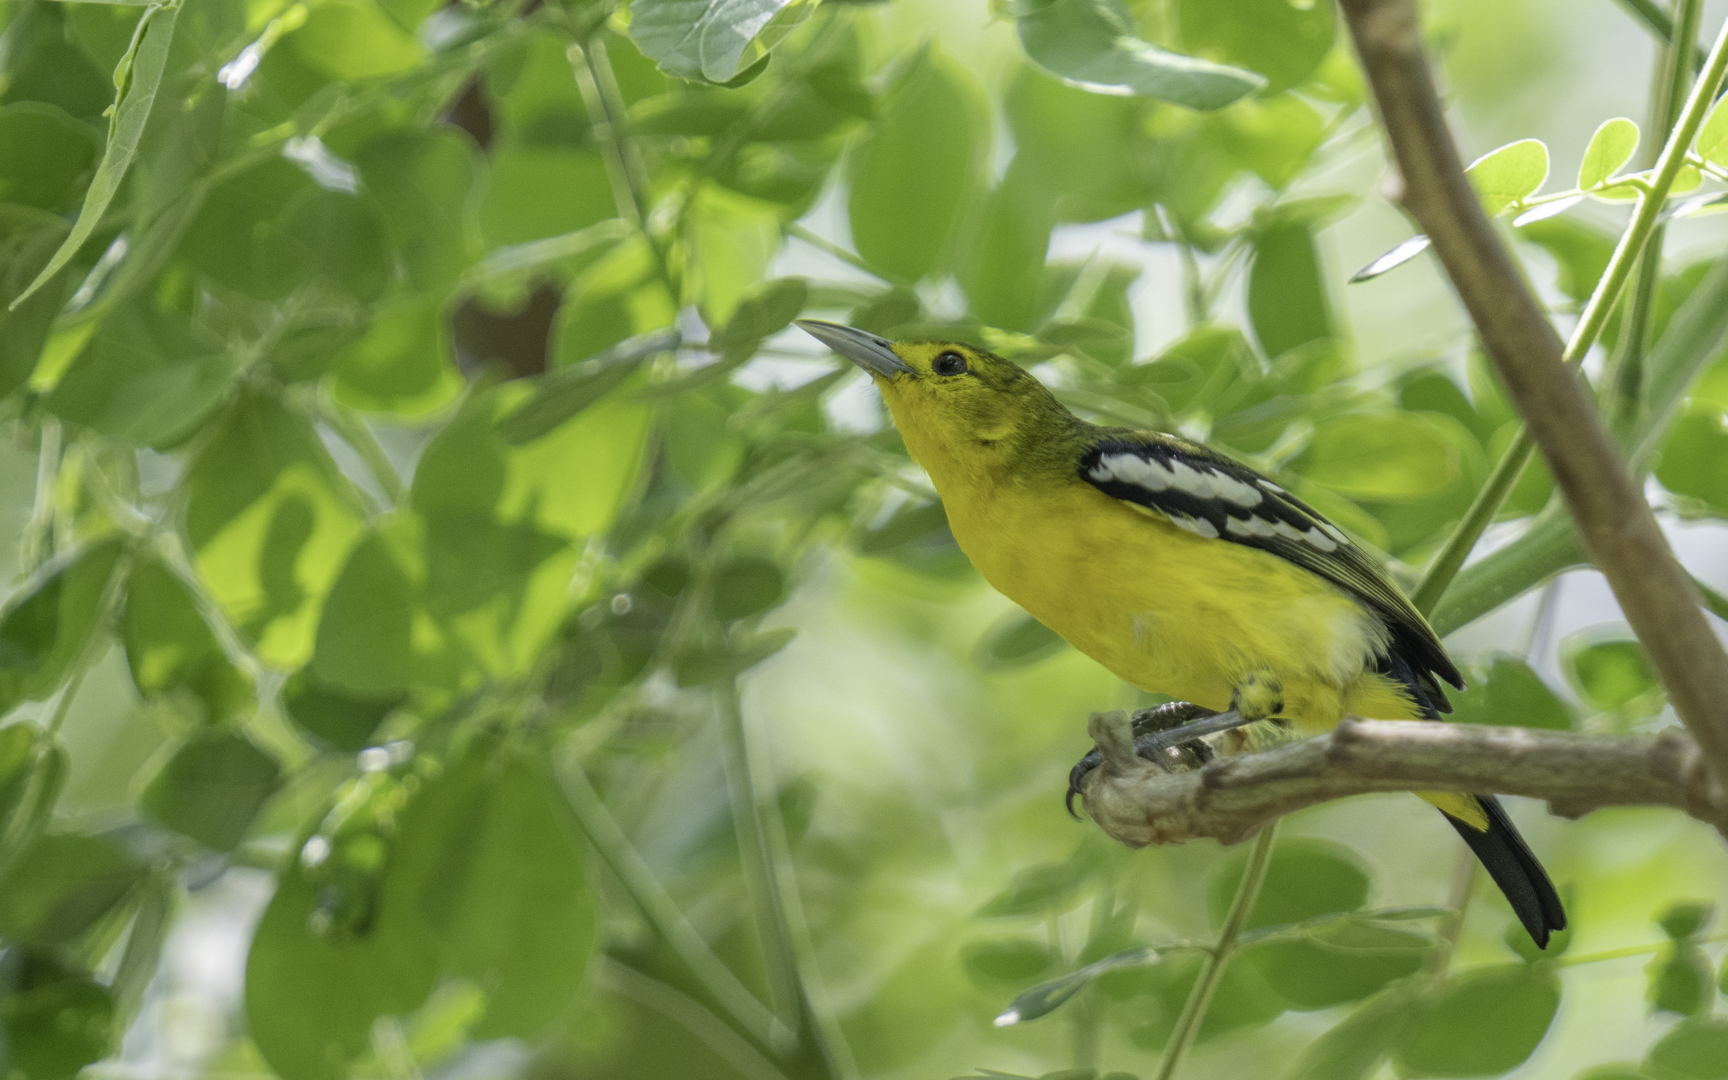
[1614, 520]
[37, 542]
[1200, 998]
[752, 809]
[691, 1016]
[662, 913]
[1228, 799]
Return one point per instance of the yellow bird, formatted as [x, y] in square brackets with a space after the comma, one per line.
[1182, 571]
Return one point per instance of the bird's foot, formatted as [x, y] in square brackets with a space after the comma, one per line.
[1167, 736]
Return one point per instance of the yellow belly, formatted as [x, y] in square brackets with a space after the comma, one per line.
[1175, 613]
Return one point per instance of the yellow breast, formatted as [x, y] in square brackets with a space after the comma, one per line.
[1171, 612]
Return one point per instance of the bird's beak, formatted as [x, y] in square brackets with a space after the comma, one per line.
[873, 354]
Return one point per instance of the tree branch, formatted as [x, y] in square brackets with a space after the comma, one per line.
[1615, 522]
[1137, 803]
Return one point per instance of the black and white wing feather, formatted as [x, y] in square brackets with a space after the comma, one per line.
[1211, 496]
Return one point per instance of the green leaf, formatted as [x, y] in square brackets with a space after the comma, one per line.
[1282, 41]
[1305, 878]
[1509, 175]
[1681, 981]
[402, 364]
[746, 586]
[1508, 693]
[43, 152]
[350, 40]
[1005, 960]
[919, 167]
[1092, 44]
[1481, 1023]
[45, 625]
[1695, 1049]
[345, 721]
[1613, 1071]
[270, 519]
[701, 667]
[733, 238]
[499, 879]
[1340, 961]
[147, 377]
[712, 40]
[1044, 888]
[1686, 918]
[468, 467]
[1609, 669]
[146, 60]
[241, 235]
[170, 647]
[441, 600]
[314, 986]
[1394, 457]
[1002, 273]
[212, 788]
[1353, 1048]
[33, 770]
[1048, 996]
[515, 211]
[1287, 300]
[61, 885]
[28, 239]
[425, 183]
[1083, 150]
[56, 1020]
[1274, 137]
[1610, 148]
[1016, 640]
[1712, 144]
[563, 394]
[1692, 456]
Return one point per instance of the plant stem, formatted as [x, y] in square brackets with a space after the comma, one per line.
[355, 432]
[828, 247]
[37, 542]
[1199, 998]
[662, 913]
[1622, 388]
[1596, 311]
[1477, 518]
[689, 1014]
[1661, 24]
[757, 821]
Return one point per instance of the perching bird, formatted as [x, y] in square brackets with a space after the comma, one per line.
[1180, 570]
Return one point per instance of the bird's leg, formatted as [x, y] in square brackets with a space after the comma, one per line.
[1175, 753]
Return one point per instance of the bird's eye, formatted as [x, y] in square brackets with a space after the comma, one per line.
[949, 363]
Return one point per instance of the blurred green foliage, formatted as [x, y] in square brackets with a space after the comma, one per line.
[412, 467]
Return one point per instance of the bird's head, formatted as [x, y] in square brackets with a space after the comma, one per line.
[956, 405]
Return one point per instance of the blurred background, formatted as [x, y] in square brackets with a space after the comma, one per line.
[458, 630]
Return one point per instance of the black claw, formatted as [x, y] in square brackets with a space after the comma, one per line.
[1147, 725]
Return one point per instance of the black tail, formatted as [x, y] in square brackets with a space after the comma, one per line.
[1513, 868]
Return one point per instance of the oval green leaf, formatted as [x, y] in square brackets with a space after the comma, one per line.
[1506, 176]
[1712, 144]
[1610, 149]
[918, 168]
[1695, 1049]
[1481, 1023]
[1092, 44]
[1396, 457]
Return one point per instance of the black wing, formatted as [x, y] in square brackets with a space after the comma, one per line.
[1210, 495]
